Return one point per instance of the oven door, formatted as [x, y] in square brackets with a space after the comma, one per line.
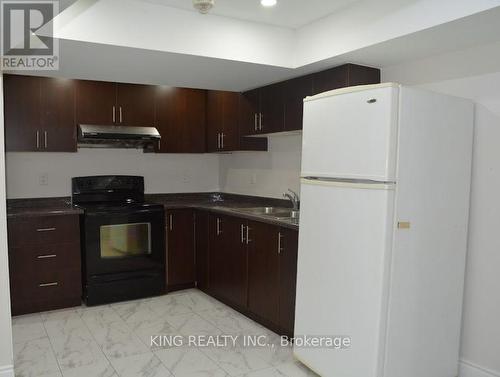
[122, 241]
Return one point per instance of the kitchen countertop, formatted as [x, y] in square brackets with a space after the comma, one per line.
[41, 207]
[215, 202]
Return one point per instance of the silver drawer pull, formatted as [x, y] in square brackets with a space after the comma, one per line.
[45, 229]
[47, 256]
[48, 284]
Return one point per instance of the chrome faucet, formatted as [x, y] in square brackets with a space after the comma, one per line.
[294, 198]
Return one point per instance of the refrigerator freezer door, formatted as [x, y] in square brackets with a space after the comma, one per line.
[351, 135]
[344, 250]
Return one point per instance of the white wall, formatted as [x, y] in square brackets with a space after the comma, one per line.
[480, 352]
[163, 173]
[263, 174]
[6, 359]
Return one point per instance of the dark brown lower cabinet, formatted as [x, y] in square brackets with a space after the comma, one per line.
[263, 271]
[44, 263]
[202, 250]
[289, 247]
[180, 249]
[228, 259]
[252, 267]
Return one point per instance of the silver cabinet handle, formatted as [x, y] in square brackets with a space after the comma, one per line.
[260, 121]
[218, 140]
[222, 140]
[255, 126]
[45, 138]
[242, 233]
[42, 285]
[121, 115]
[46, 256]
[37, 139]
[280, 237]
[218, 228]
[248, 235]
[171, 222]
[114, 114]
[45, 229]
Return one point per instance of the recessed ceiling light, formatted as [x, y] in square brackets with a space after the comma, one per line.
[268, 3]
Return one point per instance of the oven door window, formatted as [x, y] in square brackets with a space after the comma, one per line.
[125, 240]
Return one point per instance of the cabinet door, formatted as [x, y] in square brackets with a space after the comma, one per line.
[180, 119]
[249, 112]
[57, 123]
[135, 105]
[201, 247]
[180, 249]
[22, 113]
[295, 91]
[230, 131]
[330, 79]
[215, 119]
[272, 115]
[263, 270]
[228, 259]
[96, 102]
[287, 278]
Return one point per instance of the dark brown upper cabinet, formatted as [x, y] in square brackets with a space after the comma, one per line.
[135, 105]
[39, 114]
[180, 119]
[109, 103]
[343, 76]
[95, 102]
[278, 107]
[223, 124]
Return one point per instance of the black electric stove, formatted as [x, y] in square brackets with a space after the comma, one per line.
[123, 239]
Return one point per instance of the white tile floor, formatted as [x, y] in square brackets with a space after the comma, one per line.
[115, 341]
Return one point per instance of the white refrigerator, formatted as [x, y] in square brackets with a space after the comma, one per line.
[385, 186]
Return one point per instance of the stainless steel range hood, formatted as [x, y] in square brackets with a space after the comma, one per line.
[94, 136]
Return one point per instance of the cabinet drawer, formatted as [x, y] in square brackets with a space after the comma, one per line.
[46, 290]
[35, 260]
[43, 230]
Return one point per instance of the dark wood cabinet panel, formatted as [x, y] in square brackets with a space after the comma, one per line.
[58, 114]
[22, 112]
[294, 92]
[263, 271]
[215, 119]
[96, 102]
[228, 260]
[343, 76]
[202, 250]
[180, 119]
[223, 124]
[249, 112]
[135, 105]
[287, 279]
[180, 249]
[272, 111]
[44, 263]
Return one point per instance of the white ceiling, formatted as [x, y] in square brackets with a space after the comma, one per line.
[287, 13]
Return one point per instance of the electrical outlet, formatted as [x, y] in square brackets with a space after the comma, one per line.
[43, 179]
[253, 179]
[185, 178]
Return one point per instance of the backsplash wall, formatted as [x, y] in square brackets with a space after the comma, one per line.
[163, 173]
[264, 173]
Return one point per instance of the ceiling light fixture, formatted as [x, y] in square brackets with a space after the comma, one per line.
[268, 3]
[203, 6]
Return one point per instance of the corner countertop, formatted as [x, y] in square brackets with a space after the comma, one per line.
[213, 201]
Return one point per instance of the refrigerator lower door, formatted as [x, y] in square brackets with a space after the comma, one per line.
[352, 134]
[344, 252]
